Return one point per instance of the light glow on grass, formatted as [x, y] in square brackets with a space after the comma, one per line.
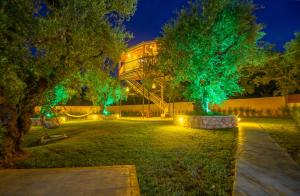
[95, 117]
[157, 148]
[180, 119]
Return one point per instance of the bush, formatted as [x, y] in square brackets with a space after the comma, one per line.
[230, 111]
[247, 111]
[196, 113]
[285, 111]
[241, 111]
[269, 112]
[253, 112]
[259, 113]
[295, 113]
[131, 113]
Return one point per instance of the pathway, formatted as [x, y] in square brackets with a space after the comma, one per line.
[110, 180]
[263, 167]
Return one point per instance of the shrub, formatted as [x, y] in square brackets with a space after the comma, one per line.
[259, 113]
[285, 111]
[269, 112]
[131, 113]
[295, 113]
[247, 111]
[253, 112]
[241, 111]
[230, 111]
[235, 111]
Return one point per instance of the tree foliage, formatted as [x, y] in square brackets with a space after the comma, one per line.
[43, 43]
[58, 95]
[103, 89]
[279, 72]
[204, 46]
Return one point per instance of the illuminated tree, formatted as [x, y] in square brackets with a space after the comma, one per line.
[45, 42]
[54, 97]
[204, 46]
[103, 90]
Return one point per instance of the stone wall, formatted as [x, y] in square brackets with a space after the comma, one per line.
[206, 122]
[37, 121]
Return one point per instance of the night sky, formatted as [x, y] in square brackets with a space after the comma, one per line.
[280, 17]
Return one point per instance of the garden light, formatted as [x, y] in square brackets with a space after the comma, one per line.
[95, 117]
[181, 119]
[127, 89]
[238, 119]
[153, 85]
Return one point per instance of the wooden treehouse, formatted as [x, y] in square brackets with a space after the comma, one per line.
[136, 66]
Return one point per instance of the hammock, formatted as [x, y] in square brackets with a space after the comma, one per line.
[76, 116]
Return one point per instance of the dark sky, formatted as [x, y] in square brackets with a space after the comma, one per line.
[280, 17]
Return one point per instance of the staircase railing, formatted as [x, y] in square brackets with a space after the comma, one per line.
[136, 86]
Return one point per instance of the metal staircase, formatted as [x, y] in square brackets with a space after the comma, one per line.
[132, 70]
[137, 87]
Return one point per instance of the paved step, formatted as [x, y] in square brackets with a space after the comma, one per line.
[107, 180]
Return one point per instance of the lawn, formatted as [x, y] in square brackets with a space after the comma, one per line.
[284, 131]
[170, 160]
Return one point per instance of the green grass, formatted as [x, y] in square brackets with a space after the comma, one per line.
[170, 160]
[284, 131]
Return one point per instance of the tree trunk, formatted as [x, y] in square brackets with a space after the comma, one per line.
[15, 119]
[198, 106]
[16, 124]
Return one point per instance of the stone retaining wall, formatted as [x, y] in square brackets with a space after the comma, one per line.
[206, 122]
[37, 121]
[62, 119]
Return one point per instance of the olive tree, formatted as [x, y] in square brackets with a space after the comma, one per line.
[44, 42]
[204, 46]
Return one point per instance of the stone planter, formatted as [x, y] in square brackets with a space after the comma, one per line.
[206, 122]
[111, 117]
[37, 121]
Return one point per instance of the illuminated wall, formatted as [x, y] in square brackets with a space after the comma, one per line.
[263, 107]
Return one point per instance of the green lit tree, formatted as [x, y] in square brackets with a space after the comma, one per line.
[45, 42]
[103, 89]
[59, 95]
[204, 46]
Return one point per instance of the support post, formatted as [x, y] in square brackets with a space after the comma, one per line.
[162, 94]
